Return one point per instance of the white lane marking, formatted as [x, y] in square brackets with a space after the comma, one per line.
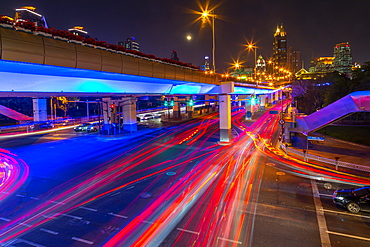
[24, 224]
[145, 221]
[230, 240]
[129, 188]
[34, 198]
[349, 236]
[19, 195]
[72, 216]
[57, 202]
[83, 240]
[48, 217]
[90, 209]
[184, 230]
[349, 214]
[49, 231]
[118, 215]
[326, 195]
[4, 219]
[323, 229]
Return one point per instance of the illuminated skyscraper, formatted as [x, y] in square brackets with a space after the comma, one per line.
[280, 47]
[28, 13]
[130, 44]
[343, 59]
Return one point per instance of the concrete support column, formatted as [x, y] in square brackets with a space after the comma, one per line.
[129, 122]
[176, 108]
[276, 97]
[207, 103]
[262, 100]
[189, 109]
[225, 117]
[280, 93]
[39, 110]
[106, 102]
[216, 103]
[248, 109]
[224, 110]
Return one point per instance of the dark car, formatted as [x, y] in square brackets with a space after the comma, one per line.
[354, 200]
[82, 127]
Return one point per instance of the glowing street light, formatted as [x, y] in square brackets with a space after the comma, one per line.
[253, 47]
[206, 16]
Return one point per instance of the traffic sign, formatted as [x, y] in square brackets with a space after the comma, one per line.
[274, 112]
[281, 122]
[315, 138]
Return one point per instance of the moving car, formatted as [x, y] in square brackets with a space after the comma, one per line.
[82, 127]
[94, 127]
[354, 200]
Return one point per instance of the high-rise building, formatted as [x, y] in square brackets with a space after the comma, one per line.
[79, 31]
[294, 60]
[322, 65]
[343, 59]
[279, 56]
[28, 13]
[130, 44]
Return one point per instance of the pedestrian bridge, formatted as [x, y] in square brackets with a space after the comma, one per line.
[30, 62]
[352, 103]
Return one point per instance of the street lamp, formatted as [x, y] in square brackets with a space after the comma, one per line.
[206, 15]
[252, 46]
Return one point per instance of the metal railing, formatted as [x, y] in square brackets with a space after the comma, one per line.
[336, 163]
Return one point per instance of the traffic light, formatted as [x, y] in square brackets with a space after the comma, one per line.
[191, 102]
[253, 99]
[112, 108]
[172, 102]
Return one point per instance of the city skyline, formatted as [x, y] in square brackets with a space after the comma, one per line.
[314, 32]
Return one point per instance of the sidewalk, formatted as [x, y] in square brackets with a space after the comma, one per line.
[331, 148]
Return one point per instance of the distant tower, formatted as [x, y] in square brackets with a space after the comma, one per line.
[130, 44]
[260, 64]
[343, 59]
[28, 13]
[174, 56]
[79, 31]
[280, 47]
[205, 66]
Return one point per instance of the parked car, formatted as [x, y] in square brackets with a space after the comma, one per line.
[354, 200]
[82, 127]
[94, 127]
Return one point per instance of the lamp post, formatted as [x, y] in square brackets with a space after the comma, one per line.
[253, 47]
[206, 15]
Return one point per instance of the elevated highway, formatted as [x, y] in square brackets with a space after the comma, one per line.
[39, 66]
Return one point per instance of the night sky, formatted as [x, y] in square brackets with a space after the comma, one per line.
[160, 26]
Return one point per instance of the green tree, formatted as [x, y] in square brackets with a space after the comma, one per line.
[339, 86]
[361, 77]
[309, 95]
